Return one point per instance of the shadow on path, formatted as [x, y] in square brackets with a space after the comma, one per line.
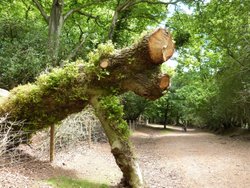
[32, 173]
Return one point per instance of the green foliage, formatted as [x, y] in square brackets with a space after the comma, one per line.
[22, 44]
[213, 69]
[58, 77]
[114, 112]
[21, 53]
[181, 38]
[66, 182]
[158, 110]
[134, 20]
[133, 105]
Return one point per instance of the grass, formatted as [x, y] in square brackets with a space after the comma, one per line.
[165, 131]
[66, 182]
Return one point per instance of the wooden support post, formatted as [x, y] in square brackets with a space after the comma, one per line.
[52, 143]
[89, 134]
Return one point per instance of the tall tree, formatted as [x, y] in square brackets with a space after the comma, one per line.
[56, 19]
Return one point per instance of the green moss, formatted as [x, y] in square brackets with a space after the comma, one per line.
[114, 112]
[131, 60]
[165, 131]
[78, 93]
[42, 103]
[25, 93]
[103, 51]
[121, 76]
[58, 77]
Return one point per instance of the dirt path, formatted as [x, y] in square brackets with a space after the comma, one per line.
[173, 159]
[192, 159]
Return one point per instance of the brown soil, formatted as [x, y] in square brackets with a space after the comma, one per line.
[167, 158]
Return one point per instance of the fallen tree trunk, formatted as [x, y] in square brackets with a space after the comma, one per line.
[107, 73]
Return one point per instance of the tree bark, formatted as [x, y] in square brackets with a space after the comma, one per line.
[68, 90]
[56, 21]
[113, 25]
[120, 148]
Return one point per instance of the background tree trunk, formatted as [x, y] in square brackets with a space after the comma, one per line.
[56, 21]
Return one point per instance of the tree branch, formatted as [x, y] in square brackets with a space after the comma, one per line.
[72, 11]
[113, 25]
[156, 3]
[147, 16]
[28, 8]
[128, 4]
[77, 48]
[125, 6]
[42, 11]
[160, 2]
[90, 16]
[229, 52]
[118, 10]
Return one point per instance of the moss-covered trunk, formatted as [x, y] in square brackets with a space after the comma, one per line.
[107, 73]
[67, 90]
[117, 131]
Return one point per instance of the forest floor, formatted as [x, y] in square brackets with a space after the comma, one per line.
[168, 158]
